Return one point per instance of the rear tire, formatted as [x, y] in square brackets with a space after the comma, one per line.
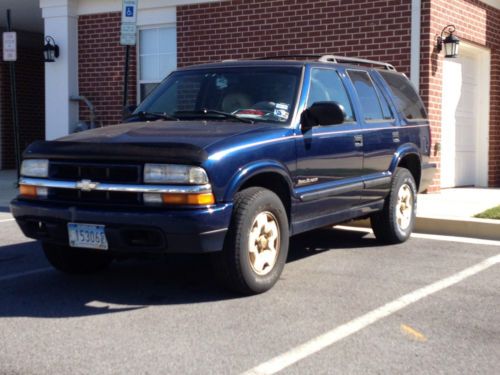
[75, 261]
[395, 223]
[256, 246]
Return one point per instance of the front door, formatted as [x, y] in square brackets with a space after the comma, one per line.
[329, 158]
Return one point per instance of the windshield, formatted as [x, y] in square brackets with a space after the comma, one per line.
[251, 93]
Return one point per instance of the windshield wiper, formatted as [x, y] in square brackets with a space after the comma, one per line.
[205, 111]
[144, 115]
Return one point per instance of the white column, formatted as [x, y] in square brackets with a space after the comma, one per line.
[61, 76]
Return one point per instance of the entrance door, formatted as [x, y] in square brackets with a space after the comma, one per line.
[463, 122]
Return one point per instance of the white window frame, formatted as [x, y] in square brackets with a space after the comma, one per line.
[138, 54]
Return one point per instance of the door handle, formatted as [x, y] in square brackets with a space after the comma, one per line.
[358, 140]
[395, 137]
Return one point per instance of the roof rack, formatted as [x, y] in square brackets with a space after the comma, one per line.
[333, 59]
[338, 59]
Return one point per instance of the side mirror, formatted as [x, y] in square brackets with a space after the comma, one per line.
[322, 113]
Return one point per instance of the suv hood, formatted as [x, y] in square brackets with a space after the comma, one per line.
[166, 141]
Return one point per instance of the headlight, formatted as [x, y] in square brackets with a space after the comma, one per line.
[174, 174]
[35, 168]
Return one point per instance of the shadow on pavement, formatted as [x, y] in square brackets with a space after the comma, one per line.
[133, 284]
[317, 241]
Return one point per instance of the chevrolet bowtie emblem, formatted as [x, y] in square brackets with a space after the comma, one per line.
[86, 185]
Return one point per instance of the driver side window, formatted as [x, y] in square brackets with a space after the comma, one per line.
[326, 86]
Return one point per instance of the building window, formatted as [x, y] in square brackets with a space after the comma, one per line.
[157, 57]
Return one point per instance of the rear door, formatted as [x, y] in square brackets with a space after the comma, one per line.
[381, 135]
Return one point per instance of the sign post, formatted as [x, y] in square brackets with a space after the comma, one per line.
[9, 39]
[128, 37]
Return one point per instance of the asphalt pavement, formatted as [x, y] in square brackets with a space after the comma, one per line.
[168, 316]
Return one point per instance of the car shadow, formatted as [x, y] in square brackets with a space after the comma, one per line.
[328, 239]
[135, 283]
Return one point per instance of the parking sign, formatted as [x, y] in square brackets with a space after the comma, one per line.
[129, 11]
[9, 46]
[129, 21]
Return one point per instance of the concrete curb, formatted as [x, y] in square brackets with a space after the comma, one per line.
[446, 226]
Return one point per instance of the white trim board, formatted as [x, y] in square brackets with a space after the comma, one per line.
[156, 17]
[415, 43]
[105, 6]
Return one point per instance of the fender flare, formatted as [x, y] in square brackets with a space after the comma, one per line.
[249, 171]
[403, 151]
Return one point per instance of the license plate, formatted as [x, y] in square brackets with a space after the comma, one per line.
[90, 236]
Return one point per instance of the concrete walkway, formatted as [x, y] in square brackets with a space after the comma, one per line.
[449, 212]
[458, 202]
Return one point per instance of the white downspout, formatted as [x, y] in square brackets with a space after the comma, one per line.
[415, 43]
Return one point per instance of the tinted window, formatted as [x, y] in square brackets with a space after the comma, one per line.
[367, 95]
[406, 97]
[386, 109]
[326, 86]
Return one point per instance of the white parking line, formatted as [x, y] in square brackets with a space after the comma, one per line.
[6, 220]
[437, 237]
[27, 273]
[329, 338]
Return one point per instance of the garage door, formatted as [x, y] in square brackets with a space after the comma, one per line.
[462, 139]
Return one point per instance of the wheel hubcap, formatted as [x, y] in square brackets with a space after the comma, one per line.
[264, 243]
[404, 208]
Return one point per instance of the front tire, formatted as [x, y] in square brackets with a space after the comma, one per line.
[75, 261]
[395, 223]
[256, 246]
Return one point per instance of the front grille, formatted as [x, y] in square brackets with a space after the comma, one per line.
[94, 197]
[96, 172]
[110, 173]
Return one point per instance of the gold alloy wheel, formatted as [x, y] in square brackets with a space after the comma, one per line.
[404, 207]
[264, 243]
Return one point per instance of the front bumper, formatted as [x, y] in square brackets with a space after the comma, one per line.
[199, 230]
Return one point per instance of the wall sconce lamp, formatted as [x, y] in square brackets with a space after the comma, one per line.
[50, 49]
[450, 43]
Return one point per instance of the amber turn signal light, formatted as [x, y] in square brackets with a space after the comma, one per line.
[27, 191]
[191, 199]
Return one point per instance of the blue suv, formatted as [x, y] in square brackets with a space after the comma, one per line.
[232, 159]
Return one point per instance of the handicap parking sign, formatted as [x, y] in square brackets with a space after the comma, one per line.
[128, 31]
[129, 11]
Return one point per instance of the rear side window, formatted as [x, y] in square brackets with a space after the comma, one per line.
[368, 97]
[407, 99]
[326, 86]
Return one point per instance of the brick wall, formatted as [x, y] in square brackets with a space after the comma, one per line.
[475, 22]
[30, 101]
[101, 65]
[251, 28]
